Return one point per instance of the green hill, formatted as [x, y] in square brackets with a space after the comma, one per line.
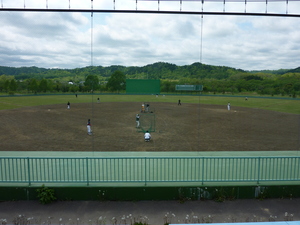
[159, 70]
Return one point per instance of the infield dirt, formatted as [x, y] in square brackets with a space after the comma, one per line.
[189, 127]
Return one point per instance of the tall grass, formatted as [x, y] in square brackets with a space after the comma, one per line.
[274, 104]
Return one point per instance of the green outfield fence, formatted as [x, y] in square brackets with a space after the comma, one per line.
[148, 170]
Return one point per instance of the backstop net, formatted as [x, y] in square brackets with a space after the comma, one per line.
[139, 86]
[147, 122]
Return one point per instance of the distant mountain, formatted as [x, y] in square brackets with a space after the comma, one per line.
[297, 70]
[5, 70]
[159, 70]
[276, 72]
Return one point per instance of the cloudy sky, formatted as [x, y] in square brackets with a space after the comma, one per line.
[72, 40]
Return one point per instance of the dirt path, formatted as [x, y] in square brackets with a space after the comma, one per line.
[155, 212]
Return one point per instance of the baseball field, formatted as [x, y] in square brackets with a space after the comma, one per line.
[200, 123]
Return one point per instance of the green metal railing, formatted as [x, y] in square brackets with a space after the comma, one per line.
[146, 170]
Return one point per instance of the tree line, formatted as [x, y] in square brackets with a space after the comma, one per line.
[215, 79]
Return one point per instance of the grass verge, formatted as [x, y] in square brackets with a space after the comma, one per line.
[274, 104]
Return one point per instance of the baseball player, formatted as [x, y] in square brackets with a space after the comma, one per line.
[147, 136]
[88, 126]
[137, 119]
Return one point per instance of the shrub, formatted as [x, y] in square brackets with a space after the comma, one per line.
[45, 195]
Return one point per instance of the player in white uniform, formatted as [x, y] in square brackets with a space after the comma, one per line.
[88, 126]
[147, 136]
[137, 119]
[228, 106]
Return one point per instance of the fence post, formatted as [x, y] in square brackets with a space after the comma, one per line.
[258, 170]
[87, 171]
[28, 168]
[202, 170]
[145, 171]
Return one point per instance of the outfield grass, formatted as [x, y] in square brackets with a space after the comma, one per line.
[274, 104]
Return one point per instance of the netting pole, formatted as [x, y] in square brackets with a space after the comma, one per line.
[245, 6]
[266, 6]
[92, 27]
[201, 43]
[201, 31]
[287, 6]
[299, 135]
